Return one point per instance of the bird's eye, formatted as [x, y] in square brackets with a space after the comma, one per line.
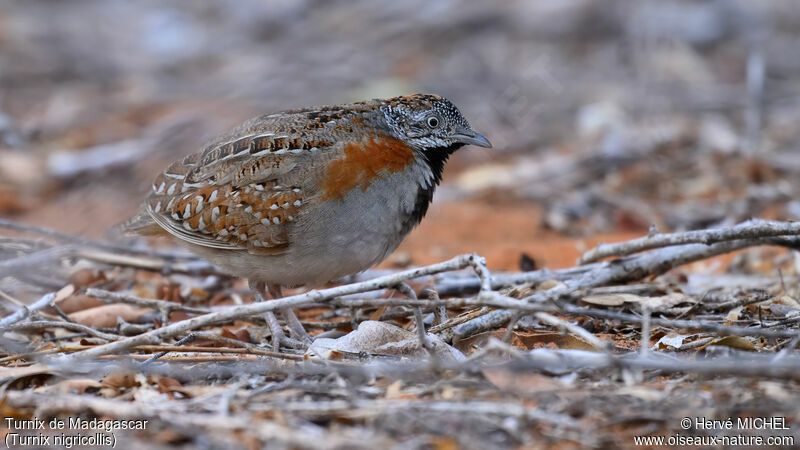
[433, 121]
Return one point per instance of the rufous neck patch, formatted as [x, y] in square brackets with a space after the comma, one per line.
[362, 163]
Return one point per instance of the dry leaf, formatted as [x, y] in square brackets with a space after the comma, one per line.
[478, 341]
[395, 392]
[64, 292]
[669, 303]
[781, 310]
[77, 303]
[549, 284]
[737, 342]
[106, 316]
[662, 304]
[788, 301]
[520, 382]
[378, 313]
[733, 315]
[381, 338]
[238, 335]
[170, 386]
[167, 384]
[611, 299]
[670, 342]
[26, 376]
[199, 390]
[87, 277]
[120, 380]
[530, 341]
[645, 393]
[783, 306]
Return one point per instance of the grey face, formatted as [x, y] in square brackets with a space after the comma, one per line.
[428, 122]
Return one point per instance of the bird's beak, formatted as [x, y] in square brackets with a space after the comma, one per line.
[467, 136]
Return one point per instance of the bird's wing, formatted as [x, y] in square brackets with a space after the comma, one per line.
[245, 190]
[238, 193]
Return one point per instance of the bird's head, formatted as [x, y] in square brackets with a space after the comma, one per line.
[429, 123]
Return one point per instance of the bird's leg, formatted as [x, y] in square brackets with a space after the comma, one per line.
[272, 322]
[292, 322]
[422, 335]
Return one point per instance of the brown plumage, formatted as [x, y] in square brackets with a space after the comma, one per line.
[306, 196]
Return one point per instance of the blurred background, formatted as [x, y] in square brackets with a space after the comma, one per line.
[607, 116]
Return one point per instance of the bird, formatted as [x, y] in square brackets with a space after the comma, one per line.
[307, 196]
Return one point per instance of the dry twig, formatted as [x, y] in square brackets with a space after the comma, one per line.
[752, 229]
[240, 312]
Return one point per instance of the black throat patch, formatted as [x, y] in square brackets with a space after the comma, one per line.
[435, 158]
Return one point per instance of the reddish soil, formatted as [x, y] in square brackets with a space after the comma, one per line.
[499, 232]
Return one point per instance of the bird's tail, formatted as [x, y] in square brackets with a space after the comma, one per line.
[141, 224]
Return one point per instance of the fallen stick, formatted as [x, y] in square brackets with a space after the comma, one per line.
[497, 300]
[751, 229]
[155, 264]
[622, 270]
[240, 312]
[79, 241]
[26, 310]
[72, 326]
[161, 305]
[564, 361]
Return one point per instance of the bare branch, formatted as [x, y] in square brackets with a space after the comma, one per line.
[507, 303]
[43, 324]
[751, 229]
[149, 262]
[625, 269]
[593, 340]
[160, 305]
[25, 311]
[243, 311]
